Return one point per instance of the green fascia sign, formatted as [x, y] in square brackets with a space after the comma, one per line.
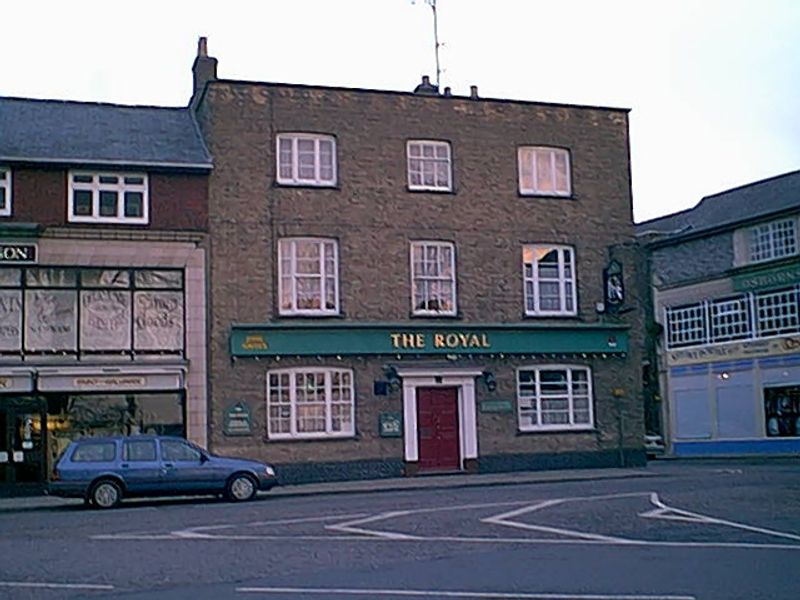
[324, 339]
[767, 278]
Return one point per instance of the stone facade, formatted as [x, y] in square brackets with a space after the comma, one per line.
[374, 217]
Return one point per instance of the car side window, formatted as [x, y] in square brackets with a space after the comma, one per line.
[139, 450]
[178, 451]
[94, 452]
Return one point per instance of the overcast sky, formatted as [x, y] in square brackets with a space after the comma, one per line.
[713, 85]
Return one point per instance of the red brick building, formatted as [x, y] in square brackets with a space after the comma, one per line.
[414, 282]
[103, 220]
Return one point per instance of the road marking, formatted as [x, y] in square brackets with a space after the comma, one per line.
[505, 519]
[56, 586]
[196, 532]
[456, 594]
[668, 512]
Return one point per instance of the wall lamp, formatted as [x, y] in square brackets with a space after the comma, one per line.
[489, 380]
[392, 378]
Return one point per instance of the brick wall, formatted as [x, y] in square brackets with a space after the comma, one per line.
[178, 201]
[374, 217]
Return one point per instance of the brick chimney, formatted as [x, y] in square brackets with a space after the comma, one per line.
[426, 88]
[204, 69]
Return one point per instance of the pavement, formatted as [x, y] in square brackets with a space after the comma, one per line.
[422, 482]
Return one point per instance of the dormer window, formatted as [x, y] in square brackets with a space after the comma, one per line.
[107, 198]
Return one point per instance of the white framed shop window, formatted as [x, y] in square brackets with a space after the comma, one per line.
[310, 402]
[554, 397]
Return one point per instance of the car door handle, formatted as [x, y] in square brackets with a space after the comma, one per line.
[169, 466]
[124, 465]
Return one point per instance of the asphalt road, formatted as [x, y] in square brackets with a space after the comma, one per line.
[691, 531]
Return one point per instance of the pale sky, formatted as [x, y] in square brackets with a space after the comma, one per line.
[713, 85]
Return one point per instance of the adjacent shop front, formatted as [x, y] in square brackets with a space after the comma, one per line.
[87, 350]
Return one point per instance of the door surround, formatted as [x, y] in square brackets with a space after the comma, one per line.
[461, 378]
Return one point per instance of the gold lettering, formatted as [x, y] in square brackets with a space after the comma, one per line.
[255, 342]
[485, 341]
[407, 340]
[395, 340]
[451, 340]
[463, 339]
[438, 340]
[420, 340]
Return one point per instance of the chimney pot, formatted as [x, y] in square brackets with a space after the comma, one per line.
[426, 80]
[447, 91]
[473, 92]
[202, 47]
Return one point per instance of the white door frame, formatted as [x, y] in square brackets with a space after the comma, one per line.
[461, 378]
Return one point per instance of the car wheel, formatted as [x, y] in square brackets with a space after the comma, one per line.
[241, 487]
[106, 493]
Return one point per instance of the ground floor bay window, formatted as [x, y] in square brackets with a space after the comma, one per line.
[310, 403]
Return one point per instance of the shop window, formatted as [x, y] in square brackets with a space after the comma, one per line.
[107, 198]
[306, 159]
[309, 276]
[782, 411]
[554, 397]
[61, 310]
[433, 278]
[310, 403]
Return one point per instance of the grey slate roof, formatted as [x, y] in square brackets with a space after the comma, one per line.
[739, 205]
[57, 131]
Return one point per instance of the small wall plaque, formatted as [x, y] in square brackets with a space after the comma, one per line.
[238, 420]
[391, 425]
[496, 406]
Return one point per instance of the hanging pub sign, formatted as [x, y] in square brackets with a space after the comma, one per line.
[614, 286]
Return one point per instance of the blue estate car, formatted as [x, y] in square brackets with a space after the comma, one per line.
[104, 470]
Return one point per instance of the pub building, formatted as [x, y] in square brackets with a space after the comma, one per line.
[102, 278]
[414, 282]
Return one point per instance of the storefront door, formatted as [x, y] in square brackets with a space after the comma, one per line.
[437, 424]
[22, 444]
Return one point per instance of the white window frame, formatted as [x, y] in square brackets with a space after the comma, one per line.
[415, 153]
[527, 160]
[567, 286]
[535, 400]
[294, 432]
[295, 178]
[289, 244]
[120, 188]
[436, 279]
[5, 185]
[776, 243]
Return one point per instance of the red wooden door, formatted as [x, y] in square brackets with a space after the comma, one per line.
[437, 423]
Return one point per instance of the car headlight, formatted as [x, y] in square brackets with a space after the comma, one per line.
[269, 471]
